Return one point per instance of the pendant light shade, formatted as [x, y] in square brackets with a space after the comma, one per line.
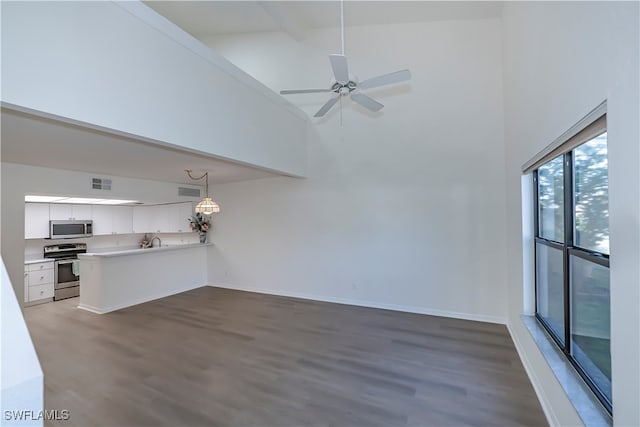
[207, 205]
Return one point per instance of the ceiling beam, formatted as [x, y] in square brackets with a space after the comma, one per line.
[286, 20]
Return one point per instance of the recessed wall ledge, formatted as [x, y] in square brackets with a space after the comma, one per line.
[585, 403]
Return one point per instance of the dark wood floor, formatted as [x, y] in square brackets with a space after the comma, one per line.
[213, 357]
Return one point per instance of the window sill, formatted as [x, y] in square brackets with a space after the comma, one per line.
[586, 404]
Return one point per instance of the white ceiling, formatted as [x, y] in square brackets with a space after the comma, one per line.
[32, 140]
[213, 18]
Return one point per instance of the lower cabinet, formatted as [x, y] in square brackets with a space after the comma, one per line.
[38, 281]
[40, 292]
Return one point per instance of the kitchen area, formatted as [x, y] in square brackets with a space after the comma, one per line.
[109, 253]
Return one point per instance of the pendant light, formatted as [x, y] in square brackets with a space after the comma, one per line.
[207, 205]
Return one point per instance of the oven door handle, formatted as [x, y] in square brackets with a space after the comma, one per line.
[70, 261]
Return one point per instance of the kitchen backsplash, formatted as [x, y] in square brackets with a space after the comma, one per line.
[33, 247]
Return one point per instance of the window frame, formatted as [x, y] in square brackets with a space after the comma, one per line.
[569, 249]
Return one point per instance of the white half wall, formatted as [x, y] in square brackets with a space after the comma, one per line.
[404, 209]
[121, 66]
[562, 59]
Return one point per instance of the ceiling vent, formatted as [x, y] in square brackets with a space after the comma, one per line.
[101, 184]
[188, 192]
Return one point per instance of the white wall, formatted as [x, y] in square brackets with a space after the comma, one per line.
[18, 180]
[22, 387]
[403, 210]
[122, 66]
[560, 61]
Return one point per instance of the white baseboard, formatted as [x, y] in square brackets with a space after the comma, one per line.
[90, 308]
[552, 419]
[131, 303]
[370, 304]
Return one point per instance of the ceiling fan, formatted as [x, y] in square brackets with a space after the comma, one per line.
[344, 85]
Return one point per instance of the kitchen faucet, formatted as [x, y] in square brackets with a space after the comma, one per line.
[159, 241]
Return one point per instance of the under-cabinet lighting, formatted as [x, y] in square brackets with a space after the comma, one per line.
[115, 202]
[42, 199]
[76, 200]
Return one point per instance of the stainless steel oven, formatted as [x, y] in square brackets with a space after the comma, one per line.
[66, 272]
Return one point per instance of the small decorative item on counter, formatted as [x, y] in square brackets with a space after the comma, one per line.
[145, 242]
[200, 223]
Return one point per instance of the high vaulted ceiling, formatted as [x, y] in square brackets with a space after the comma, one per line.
[212, 18]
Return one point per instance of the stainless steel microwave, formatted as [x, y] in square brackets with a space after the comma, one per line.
[70, 229]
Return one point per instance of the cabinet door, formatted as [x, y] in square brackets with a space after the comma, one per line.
[102, 217]
[26, 285]
[60, 211]
[184, 212]
[178, 215]
[41, 292]
[122, 219]
[36, 220]
[159, 218]
[81, 212]
[142, 219]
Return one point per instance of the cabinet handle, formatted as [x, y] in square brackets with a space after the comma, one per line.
[41, 292]
[41, 277]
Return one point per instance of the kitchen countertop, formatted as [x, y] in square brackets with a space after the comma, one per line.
[114, 252]
[36, 259]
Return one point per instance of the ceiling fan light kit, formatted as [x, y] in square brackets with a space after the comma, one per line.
[344, 86]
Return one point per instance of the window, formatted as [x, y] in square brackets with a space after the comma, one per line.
[572, 256]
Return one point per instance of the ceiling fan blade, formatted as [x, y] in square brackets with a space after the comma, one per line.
[326, 107]
[366, 101]
[385, 79]
[295, 91]
[340, 68]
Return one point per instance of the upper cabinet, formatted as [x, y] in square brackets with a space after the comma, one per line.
[171, 218]
[141, 222]
[112, 220]
[122, 220]
[36, 220]
[63, 211]
[178, 217]
[102, 217]
[107, 220]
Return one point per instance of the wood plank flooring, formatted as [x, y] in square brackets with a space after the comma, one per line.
[216, 357]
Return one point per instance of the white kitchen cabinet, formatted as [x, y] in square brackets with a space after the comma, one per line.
[63, 211]
[38, 281]
[36, 220]
[102, 217]
[159, 218]
[122, 219]
[178, 217]
[26, 284]
[112, 220]
[170, 218]
[141, 221]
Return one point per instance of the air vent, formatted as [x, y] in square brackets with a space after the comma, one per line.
[101, 184]
[189, 192]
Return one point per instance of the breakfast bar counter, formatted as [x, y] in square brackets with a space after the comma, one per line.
[114, 279]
